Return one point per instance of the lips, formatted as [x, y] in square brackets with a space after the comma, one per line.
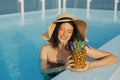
[63, 37]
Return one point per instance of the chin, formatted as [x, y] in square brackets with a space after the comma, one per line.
[63, 41]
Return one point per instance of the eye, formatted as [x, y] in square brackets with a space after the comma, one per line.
[69, 31]
[61, 29]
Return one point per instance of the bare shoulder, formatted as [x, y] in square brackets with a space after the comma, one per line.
[96, 53]
[46, 48]
[44, 51]
[92, 50]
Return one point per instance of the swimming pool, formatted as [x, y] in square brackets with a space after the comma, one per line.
[20, 44]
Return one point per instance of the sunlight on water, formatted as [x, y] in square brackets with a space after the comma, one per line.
[20, 44]
[10, 57]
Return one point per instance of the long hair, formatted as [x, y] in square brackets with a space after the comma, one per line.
[54, 38]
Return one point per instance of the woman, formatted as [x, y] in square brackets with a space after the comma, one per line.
[55, 56]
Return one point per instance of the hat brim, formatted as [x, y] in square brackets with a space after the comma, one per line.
[81, 26]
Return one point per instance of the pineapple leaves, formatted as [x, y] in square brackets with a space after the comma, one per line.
[79, 45]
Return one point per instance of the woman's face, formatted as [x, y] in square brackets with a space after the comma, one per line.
[65, 32]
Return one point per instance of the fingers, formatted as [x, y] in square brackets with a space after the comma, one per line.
[69, 57]
[71, 63]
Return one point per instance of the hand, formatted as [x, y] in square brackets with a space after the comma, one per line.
[84, 69]
[69, 63]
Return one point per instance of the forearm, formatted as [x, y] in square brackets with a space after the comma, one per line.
[107, 60]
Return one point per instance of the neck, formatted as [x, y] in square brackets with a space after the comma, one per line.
[62, 45]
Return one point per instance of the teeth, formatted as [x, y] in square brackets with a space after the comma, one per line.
[62, 37]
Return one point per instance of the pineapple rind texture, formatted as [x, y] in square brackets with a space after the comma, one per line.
[79, 57]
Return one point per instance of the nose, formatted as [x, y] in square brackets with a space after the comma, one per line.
[64, 32]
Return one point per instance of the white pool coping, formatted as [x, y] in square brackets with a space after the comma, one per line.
[111, 72]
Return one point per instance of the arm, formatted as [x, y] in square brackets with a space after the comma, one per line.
[43, 62]
[102, 58]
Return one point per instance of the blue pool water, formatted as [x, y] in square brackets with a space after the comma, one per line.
[20, 44]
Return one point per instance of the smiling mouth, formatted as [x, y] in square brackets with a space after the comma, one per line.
[63, 37]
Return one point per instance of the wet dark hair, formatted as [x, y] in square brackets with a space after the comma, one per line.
[54, 38]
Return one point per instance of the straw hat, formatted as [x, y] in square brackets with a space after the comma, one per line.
[65, 17]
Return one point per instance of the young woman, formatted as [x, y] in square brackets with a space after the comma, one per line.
[55, 56]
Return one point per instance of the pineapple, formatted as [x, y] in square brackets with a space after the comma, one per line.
[79, 56]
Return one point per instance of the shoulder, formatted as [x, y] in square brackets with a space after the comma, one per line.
[90, 49]
[46, 47]
[44, 51]
[96, 53]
